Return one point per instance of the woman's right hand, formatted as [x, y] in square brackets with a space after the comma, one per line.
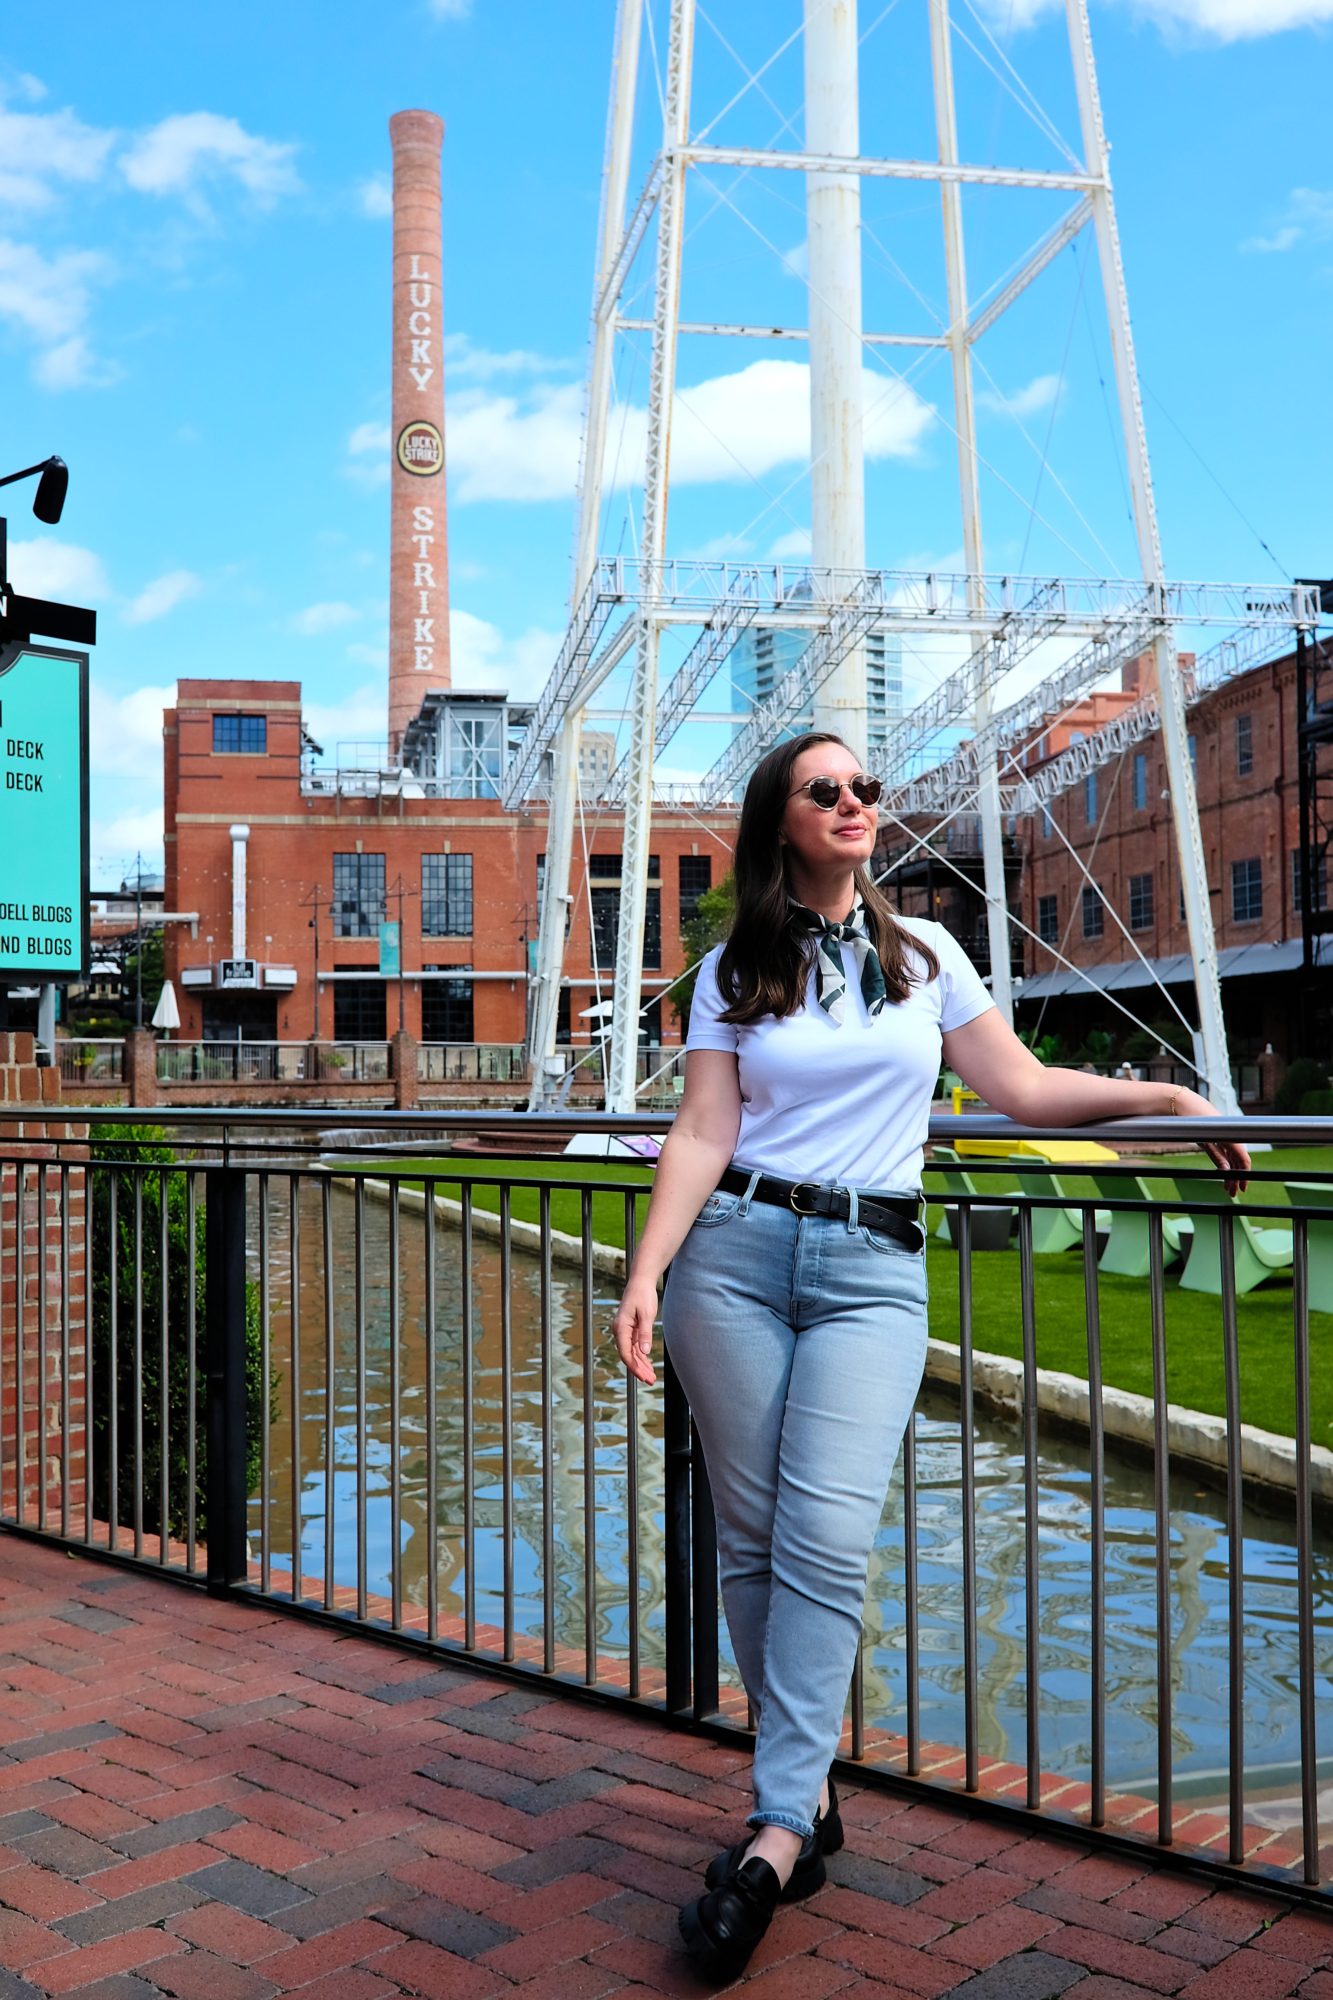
[633, 1328]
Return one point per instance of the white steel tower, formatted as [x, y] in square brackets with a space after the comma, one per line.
[620, 607]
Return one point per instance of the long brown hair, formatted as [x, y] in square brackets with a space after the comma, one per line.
[766, 959]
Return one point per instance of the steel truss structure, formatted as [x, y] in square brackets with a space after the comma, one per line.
[835, 601]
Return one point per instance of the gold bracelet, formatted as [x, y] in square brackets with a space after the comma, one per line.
[1175, 1099]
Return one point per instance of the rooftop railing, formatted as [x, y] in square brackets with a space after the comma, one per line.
[352, 1374]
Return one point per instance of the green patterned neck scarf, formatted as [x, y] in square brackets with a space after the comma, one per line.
[832, 980]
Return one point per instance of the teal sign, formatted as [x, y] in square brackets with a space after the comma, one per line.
[43, 814]
[390, 954]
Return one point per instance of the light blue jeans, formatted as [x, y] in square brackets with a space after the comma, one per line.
[800, 1342]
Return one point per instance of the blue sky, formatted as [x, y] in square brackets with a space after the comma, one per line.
[194, 311]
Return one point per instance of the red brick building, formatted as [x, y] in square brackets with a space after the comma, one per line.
[320, 859]
[1117, 822]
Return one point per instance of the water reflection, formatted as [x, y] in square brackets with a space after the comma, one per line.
[347, 1509]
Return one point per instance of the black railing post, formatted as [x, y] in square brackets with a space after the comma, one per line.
[703, 1578]
[224, 1244]
[676, 1586]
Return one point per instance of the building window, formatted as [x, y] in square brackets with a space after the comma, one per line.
[1047, 823]
[446, 1010]
[1090, 798]
[473, 753]
[1140, 781]
[604, 870]
[240, 735]
[358, 894]
[1244, 745]
[1247, 891]
[1140, 903]
[1094, 915]
[446, 895]
[358, 1010]
[1194, 757]
[1048, 919]
[696, 879]
[1320, 881]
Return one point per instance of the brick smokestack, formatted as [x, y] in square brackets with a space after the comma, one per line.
[418, 545]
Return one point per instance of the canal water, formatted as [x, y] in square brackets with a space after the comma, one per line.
[591, 1545]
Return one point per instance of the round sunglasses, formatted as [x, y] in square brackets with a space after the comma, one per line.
[826, 792]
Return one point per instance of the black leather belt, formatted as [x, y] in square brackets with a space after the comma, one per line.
[898, 1219]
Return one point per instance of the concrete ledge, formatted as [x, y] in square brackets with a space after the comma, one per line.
[1266, 1458]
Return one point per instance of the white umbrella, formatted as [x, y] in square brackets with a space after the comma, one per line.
[167, 1014]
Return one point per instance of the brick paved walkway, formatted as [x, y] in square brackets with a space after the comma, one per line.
[216, 1802]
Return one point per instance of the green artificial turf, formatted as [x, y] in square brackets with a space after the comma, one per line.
[1195, 1370]
[608, 1210]
[1194, 1357]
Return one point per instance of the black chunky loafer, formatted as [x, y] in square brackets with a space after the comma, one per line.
[722, 1928]
[808, 1874]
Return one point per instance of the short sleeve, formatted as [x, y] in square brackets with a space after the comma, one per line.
[963, 996]
[707, 1030]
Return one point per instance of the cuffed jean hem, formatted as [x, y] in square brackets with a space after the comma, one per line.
[791, 1822]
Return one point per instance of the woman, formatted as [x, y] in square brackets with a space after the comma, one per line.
[786, 1202]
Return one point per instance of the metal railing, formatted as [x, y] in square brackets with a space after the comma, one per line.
[375, 1395]
[273, 1062]
[90, 1060]
[471, 1062]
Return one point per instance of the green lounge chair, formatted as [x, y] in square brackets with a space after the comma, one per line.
[1257, 1253]
[1055, 1229]
[1126, 1253]
[991, 1227]
[1318, 1241]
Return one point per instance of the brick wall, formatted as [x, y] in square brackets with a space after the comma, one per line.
[43, 1301]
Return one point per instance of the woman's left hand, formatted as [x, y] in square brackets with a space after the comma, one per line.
[1230, 1158]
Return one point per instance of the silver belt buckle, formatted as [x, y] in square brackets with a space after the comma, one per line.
[800, 1188]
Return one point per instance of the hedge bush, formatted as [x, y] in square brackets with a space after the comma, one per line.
[118, 1151]
[1303, 1076]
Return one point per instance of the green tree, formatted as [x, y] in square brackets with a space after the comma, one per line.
[130, 1160]
[714, 915]
[150, 958]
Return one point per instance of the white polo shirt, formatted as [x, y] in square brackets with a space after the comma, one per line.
[849, 1101]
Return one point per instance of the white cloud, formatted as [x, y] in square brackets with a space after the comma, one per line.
[176, 156]
[1224, 20]
[114, 843]
[480, 655]
[318, 619]
[1307, 218]
[449, 10]
[125, 742]
[30, 88]
[374, 197]
[125, 732]
[1038, 395]
[726, 547]
[370, 653]
[368, 454]
[63, 570]
[47, 297]
[793, 546]
[162, 595]
[359, 717]
[728, 428]
[71, 364]
[796, 261]
[40, 148]
[464, 362]
[501, 448]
